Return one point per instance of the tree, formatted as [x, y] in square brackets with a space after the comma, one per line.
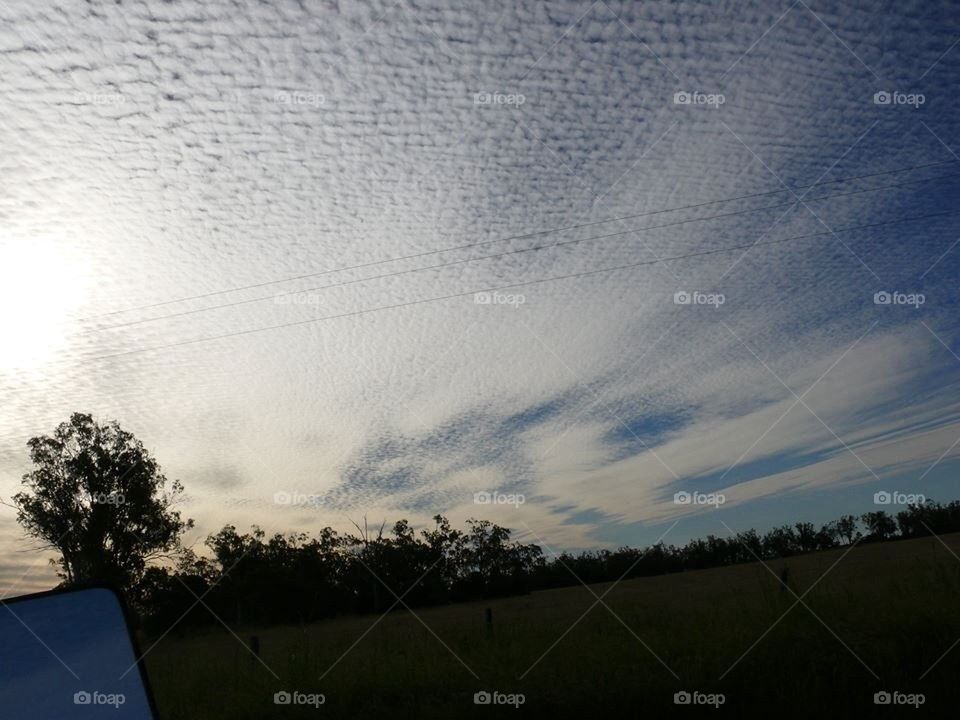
[929, 517]
[880, 525]
[749, 546]
[98, 498]
[847, 529]
[806, 536]
[828, 536]
[446, 550]
[780, 542]
[493, 564]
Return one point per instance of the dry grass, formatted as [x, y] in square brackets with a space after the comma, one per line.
[889, 609]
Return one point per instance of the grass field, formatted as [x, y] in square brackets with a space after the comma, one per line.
[889, 610]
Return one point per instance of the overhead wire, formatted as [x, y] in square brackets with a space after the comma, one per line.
[535, 248]
[525, 283]
[522, 236]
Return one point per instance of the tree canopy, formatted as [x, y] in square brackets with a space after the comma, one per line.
[100, 499]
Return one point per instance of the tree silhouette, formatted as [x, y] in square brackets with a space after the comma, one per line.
[847, 528]
[880, 525]
[253, 579]
[98, 498]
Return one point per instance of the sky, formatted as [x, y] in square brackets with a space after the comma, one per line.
[331, 261]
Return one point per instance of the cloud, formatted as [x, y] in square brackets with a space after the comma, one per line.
[186, 149]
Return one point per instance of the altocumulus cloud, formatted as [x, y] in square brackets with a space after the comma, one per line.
[180, 149]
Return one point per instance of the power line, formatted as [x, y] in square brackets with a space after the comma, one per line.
[507, 239]
[525, 283]
[534, 248]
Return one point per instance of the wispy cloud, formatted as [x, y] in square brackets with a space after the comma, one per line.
[176, 150]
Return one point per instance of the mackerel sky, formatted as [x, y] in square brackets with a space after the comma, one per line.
[254, 234]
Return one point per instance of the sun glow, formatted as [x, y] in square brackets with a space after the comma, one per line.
[41, 283]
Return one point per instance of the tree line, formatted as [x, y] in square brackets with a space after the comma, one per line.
[99, 499]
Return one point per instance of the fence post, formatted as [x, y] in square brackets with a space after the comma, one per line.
[785, 579]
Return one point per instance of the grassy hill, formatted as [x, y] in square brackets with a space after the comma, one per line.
[888, 610]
